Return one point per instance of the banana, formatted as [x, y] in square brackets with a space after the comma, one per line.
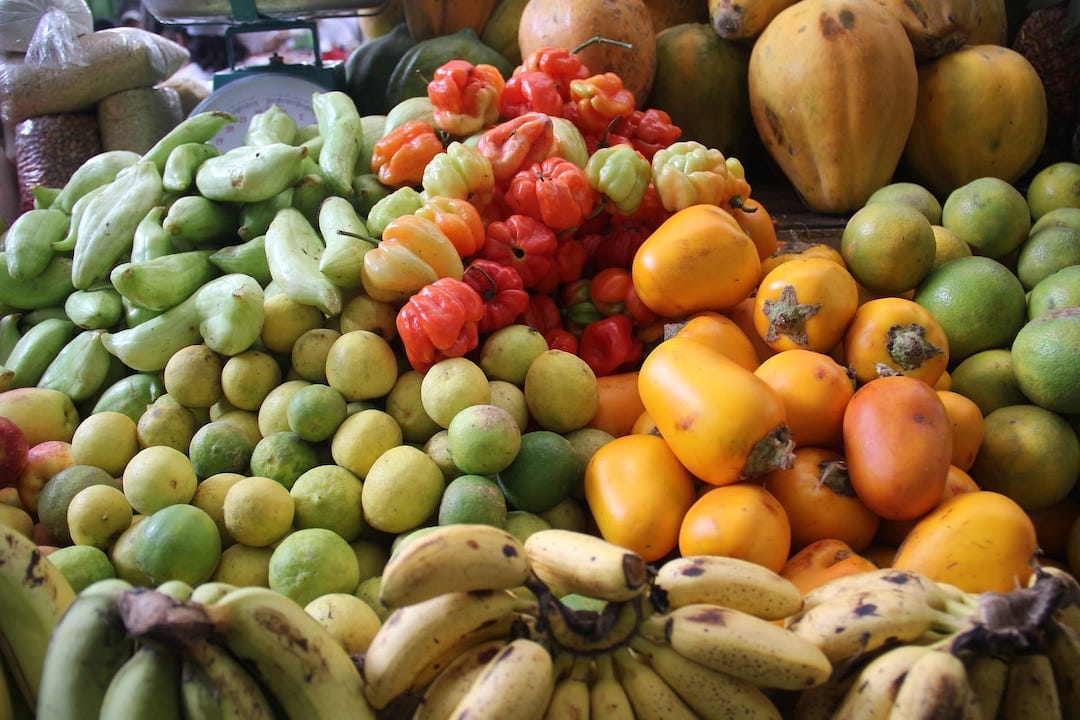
[988, 675]
[452, 558]
[36, 348]
[607, 696]
[728, 581]
[935, 686]
[147, 686]
[297, 659]
[209, 672]
[740, 644]
[210, 592]
[87, 648]
[516, 683]
[587, 631]
[906, 581]
[650, 696]
[147, 347]
[1031, 691]
[874, 686]
[417, 641]
[34, 594]
[1062, 646]
[444, 692]
[7, 697]
[576, 562]
[850, 625]
[570, 697]
[293, 251]
[821, 701]
[713, 695]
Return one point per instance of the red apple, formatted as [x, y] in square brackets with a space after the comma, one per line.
[13, 452]
[43, 461]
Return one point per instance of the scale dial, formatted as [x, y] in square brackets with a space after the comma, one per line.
[248, 96]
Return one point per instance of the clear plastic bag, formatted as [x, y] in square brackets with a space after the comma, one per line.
[48, 28]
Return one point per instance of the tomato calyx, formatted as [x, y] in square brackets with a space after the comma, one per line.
[909, 347]
[787, 317]
[775, 451]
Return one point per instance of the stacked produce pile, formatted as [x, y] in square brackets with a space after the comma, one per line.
[511, 402]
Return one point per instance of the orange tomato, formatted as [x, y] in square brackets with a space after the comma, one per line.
[644, 424]
[967, 427]
[798, 250]
[743, 316]
[698, 259]
[977, 541]
[898, 335]
[822, 561]
[638, 494]
[815, 390]
[742, 521]
[721, 333]
[898, 446]
[806, 304]
[819, 501]
[724, 423]
[758, 224]
[944, 382]
[619, 403]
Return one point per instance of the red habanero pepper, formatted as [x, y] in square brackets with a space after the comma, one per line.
[649, 130]
[530, 91]
[517, 143]
[612, 291]
[608, 344]
[524, 243]
[400, 156]
[598, 100]
[616, 246]
[556, 192]
[559, 64]
[561, 339]
[465, 97]
[570, 258]
[439, 321]
[458, 219]
[542, 313]
[501, 290]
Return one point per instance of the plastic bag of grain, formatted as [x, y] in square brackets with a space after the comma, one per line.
[136, 119]
[20, 20]
[49, 148]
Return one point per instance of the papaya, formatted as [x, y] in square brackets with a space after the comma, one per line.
[369, 66]
[417, 66]
[501, 29]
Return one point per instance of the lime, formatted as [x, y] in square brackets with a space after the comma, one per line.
[122, 555]
[472, 499]
[210, 498]
[82, 565]
[17, 518]
[192, 376]
[273, 412]
[403, 403]
[362, 437]
[313, 562]
[483, 439]
[451, 385]
[561, 391]
[1044, 356]
[1057, 290]
[285, 320]
[511, 397]
[948, 246]
[909, 193]
[371, 556]
[1046, 252]
[178, 542]
[542, 474]
[329, 496]
[402, 490]
[438, 449]
[368, 591]
[586, 442]
[1061, 217]
[243, 566]
[1055, 186]
[159, 476]
[978, 301]
[58, 492]
[361, 365]
[521, 523]
[218, 447]
[248, 377]
[507, 353]
[569, 514]
[97, 515]
[283, 456]
[363, 312]
[166, 422]
[987, 379]
[246, 420]
[257, 511]
[989, 214]
[310, 351]
[315, 412]
[888, 247]
[349, 620]
[106, 439]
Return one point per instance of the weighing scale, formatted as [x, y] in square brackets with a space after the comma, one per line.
[252, 89]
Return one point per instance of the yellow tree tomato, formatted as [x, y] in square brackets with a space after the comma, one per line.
[895, 335]
[805, 303]
[815, 389]
[742, 521]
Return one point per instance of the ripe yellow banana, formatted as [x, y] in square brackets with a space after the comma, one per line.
[988, 675]
[821, 701]
[728, 581]
[209, 670]
[34, 594]
[1031, 691]
[444, 692]
[417, 641]
[650, 696]
[576, 562]
[588, 631]
[935, 686]
[299, 661]
[1062, 646]
[713, 695]
[873, 690]
[147, 686]
[570, 698]
[453, 558]
[516, 683]
[740, 644]
[901, 581]
[607, 696]
[7, 697]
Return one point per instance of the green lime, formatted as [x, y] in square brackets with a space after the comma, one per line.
[309, 353]
[97, 515]
[122, 555]
[166, 422]
[218, 447]
[909, 193]
[329, 496]
[315, 412]
[192, 375]
[472, 499]
[989, 214]
[1044, 356]
[987, 379]
[258, 511]
[58, 492]
[1055, 186]
[210, 498]
[1057, 290]
[313, 562]
[82, 565]
[483, 439]
[561, 391]
[569, 514]
[158, 476]
[283, 456]
[178, 542]
[438, 449]
[542, 474]
[402, 490]
[1044, 253]
[521, 523]
[243, 565]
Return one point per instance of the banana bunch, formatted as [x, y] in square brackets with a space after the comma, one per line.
[34, 595]
[566, 624]
[124, 652]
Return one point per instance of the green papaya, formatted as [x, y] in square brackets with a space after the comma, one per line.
[419, 63]
[369, 66]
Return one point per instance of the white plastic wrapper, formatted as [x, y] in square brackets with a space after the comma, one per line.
[19, 20]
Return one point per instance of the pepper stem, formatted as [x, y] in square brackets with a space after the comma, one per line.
[598, 39]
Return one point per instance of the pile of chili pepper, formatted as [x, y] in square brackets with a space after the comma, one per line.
[545, 183]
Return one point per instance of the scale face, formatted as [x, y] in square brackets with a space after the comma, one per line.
[248, 96]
